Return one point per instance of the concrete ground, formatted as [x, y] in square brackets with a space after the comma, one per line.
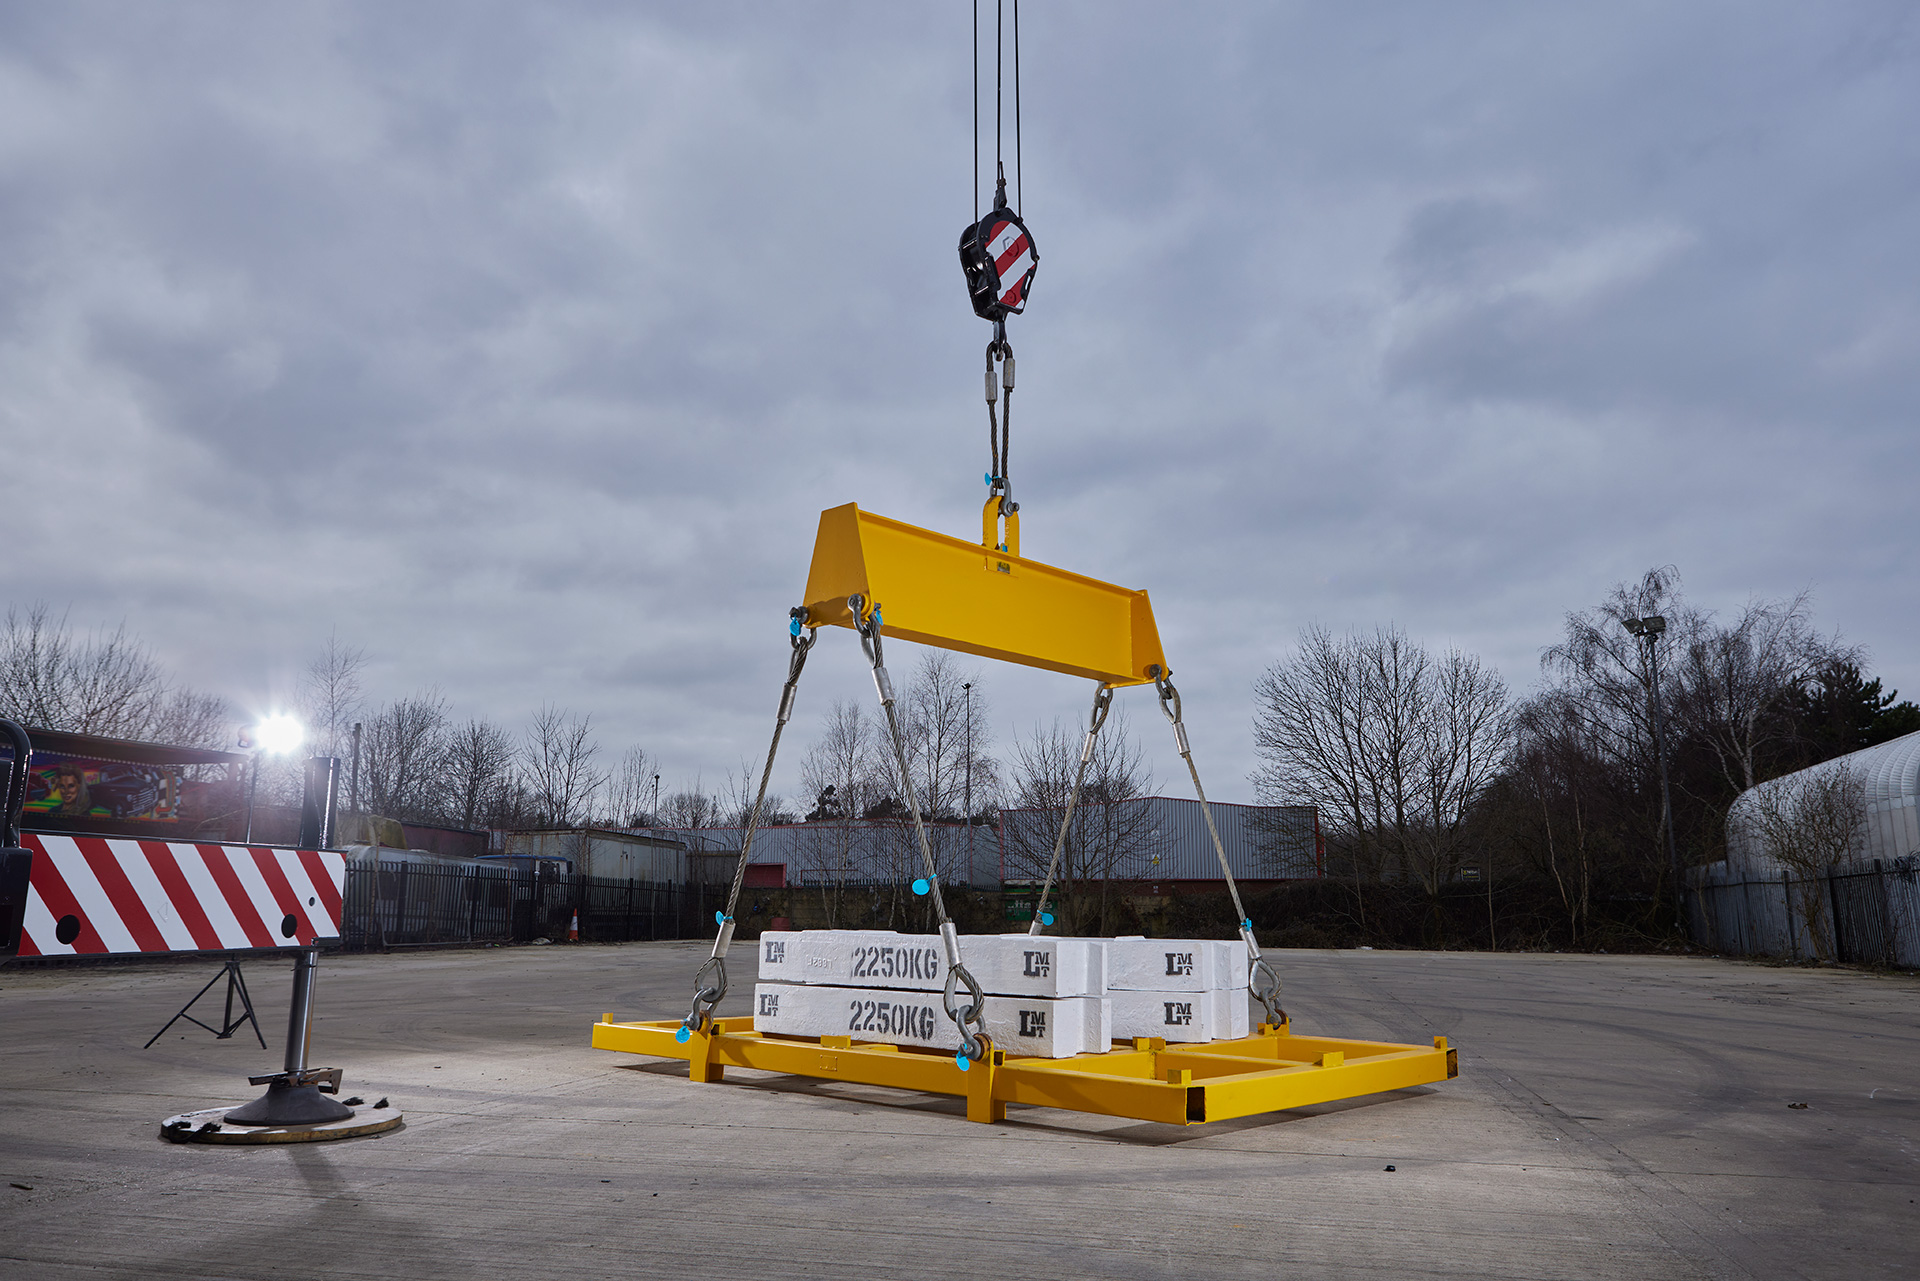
[1614, 1117]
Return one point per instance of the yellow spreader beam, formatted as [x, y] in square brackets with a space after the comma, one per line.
[979, 598]
[1270, 1071]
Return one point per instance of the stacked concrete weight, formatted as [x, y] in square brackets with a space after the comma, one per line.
[1045, 995]
[1178, 989]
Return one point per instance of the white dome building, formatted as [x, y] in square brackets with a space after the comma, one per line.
[1891, 775]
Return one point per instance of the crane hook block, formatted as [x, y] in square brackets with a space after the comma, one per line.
[947, 592]
[999, 260]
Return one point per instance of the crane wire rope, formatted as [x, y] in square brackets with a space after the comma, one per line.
[968, 1016]
[1262, 981]
[1102, 700]
[997, 243]
[710, 980]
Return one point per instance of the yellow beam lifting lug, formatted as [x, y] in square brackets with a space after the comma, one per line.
[994, 540]
[937, 590]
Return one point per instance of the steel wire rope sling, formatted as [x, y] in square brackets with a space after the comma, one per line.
[1102, 701]
[1262, 981]
[710, 980]
[998, 257]
[968, 1017]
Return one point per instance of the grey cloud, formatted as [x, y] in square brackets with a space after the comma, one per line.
[524, 345]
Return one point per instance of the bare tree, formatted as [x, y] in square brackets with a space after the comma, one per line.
[1605, 671]
[1733, 679]
[405, 749]
[694, 808]
[479, 771]
[331, 697]
[630, 790]
[105, 683]
[1553, 779]
[1810, 821]
[1107, 840]
[841, 774]
[1464, 742]
[1392, 745]
[743, 785]
[936, 726]
[191, 719]
[558, 758]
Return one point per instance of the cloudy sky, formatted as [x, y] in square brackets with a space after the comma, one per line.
[522, 344]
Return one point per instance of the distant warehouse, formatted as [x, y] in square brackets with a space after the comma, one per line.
[607, 854]
[1163, 843]
[1159, 841]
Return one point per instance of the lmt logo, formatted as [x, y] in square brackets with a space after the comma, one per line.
[1033, 1022]
[1179, 963]
[776, 951]
[1039, 964]
[1179, 1013]
[770, 1004]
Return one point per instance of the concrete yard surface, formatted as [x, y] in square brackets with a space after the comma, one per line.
[1621, 1116]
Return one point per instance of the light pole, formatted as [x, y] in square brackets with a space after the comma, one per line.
[654, 813]
[966, 687]
[275, 735]
[1649, 629]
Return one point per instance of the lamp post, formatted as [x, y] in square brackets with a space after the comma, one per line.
[654, 813]
[1649, 630]
[966, 687]
[275, 735]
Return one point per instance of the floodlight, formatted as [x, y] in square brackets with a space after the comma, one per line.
[278, 734]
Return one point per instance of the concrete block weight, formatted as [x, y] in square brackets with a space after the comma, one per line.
[1054, 1028]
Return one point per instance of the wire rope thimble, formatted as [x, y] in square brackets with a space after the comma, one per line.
[708, 992]
[968, 1016]
[1264, 984]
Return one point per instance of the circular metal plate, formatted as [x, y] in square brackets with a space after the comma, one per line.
[187, 1127]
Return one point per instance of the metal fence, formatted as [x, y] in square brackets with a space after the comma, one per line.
[410, 905]
[1859, 913]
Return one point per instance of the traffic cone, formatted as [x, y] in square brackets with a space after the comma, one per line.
[573, 930]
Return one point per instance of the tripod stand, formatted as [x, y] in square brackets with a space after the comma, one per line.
[236, 982]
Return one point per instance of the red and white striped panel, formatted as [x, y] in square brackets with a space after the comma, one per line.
[1012, 255]
[93, 895]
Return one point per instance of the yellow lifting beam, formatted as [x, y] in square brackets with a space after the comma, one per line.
[978, 598]
[1270, 1071]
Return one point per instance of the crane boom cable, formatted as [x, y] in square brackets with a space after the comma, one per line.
[1019, 178]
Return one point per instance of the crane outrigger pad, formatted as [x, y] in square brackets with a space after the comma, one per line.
[1270, 1071]
[984, 600]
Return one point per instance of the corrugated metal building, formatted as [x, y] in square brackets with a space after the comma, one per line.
[1891, 774]
[1153, 839]
[854, 852]
[610, 855]
[1163, 840]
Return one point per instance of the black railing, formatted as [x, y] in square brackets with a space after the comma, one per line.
[411, 905]
[1858, 914]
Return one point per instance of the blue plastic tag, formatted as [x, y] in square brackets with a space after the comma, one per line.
[684, 1035]
[921, 885]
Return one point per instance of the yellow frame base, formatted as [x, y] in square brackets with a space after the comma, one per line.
[1270, 1071]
